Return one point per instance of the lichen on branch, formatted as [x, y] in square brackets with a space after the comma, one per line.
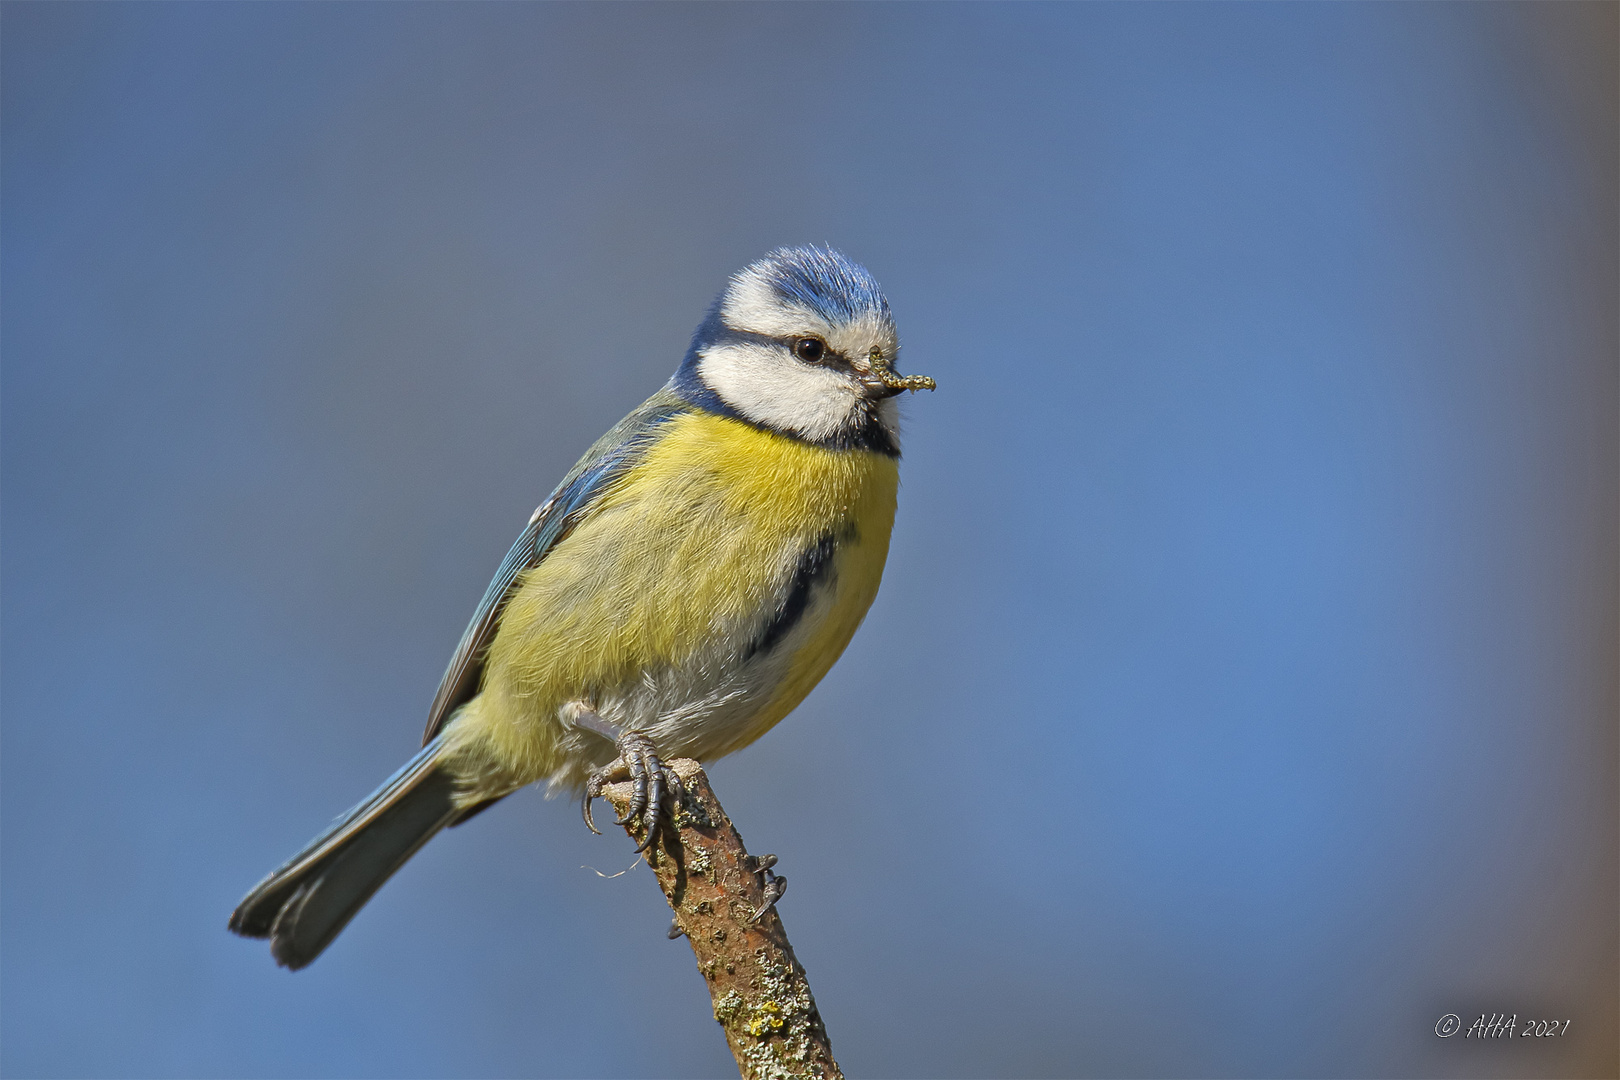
[717, 891]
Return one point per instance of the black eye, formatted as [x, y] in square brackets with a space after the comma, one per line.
[810, 349]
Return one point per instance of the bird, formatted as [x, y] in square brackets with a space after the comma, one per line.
[685, 586]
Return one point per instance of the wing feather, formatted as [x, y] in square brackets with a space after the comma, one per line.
[578, 494]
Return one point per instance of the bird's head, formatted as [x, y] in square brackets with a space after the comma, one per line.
[802, 343]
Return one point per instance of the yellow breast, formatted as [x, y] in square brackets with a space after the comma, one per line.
[694, 546]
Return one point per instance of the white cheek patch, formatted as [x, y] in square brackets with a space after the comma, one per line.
[769, 387]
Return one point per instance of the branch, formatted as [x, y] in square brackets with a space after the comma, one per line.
[760, 993]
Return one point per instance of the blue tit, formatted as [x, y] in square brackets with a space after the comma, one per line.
[686, 585]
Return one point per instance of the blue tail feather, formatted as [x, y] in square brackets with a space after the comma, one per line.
[304, 903]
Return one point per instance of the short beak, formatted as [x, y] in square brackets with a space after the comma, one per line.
[881, 381]
[878, 391]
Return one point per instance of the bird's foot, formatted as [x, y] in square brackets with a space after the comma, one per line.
[639, 762]
[775, 884]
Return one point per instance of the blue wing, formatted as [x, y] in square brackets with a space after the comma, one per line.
[575, 498]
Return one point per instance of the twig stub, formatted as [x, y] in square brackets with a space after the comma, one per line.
[760, 994]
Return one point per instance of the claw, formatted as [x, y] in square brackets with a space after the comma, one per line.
[593, 789]
[775, 886]
[638, 773]
[654, 781]
[638, 778]
[655, 801]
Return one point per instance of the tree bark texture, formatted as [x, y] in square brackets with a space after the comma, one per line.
[716, 889]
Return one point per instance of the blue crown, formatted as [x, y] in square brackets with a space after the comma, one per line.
[824, 281]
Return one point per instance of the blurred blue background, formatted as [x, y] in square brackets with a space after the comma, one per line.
[1241, 696]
